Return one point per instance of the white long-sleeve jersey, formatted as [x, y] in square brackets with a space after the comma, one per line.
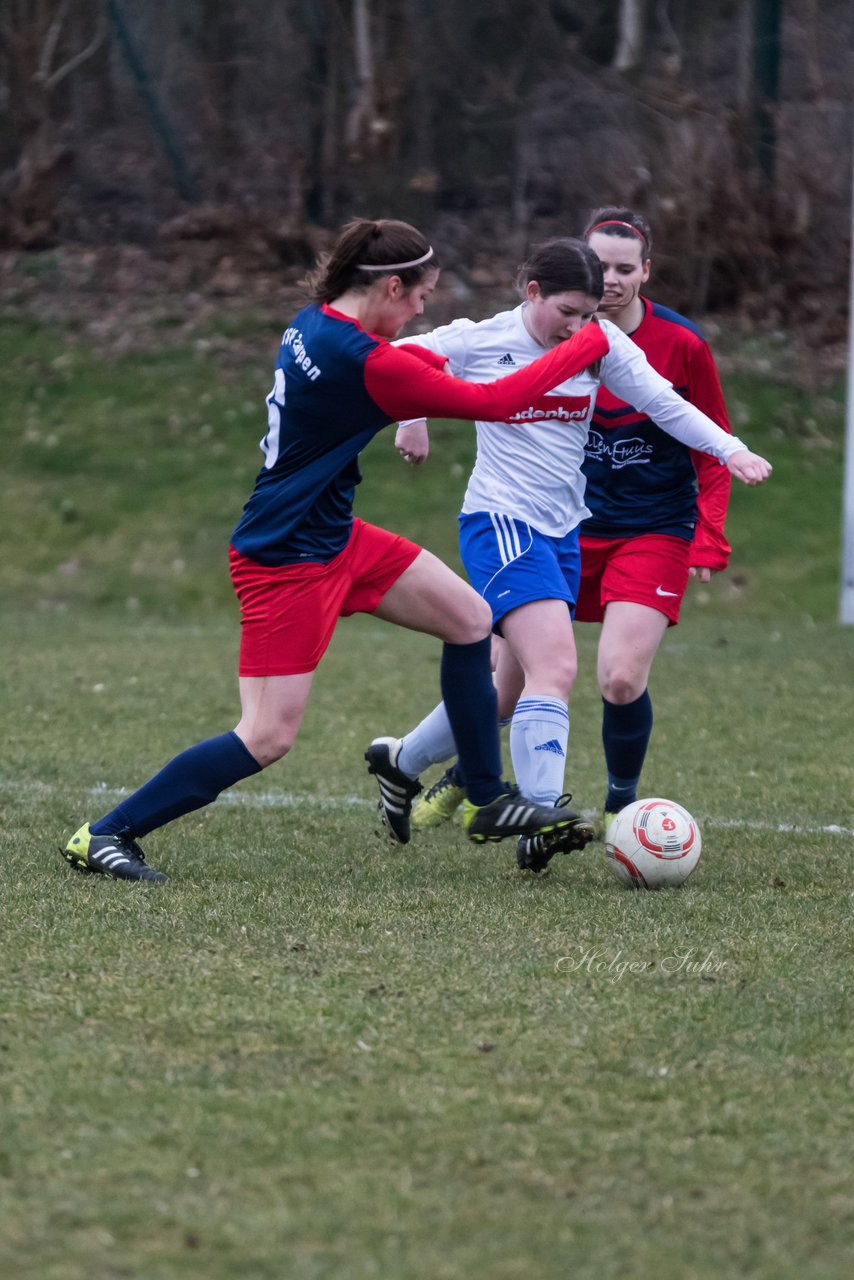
[529, 466]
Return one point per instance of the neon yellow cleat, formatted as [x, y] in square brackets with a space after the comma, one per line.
[440, 802]
[607, 819]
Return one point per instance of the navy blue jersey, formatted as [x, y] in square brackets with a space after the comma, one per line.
[320, 417]
[639, 478]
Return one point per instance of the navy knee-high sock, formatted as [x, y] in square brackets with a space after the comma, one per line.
[193, 779]
[472, 706]
[626, 730]
[455, 774]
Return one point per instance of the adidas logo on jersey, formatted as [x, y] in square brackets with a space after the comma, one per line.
[507, 361]
[552, 745]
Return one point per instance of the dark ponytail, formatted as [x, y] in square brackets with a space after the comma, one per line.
[365, 251]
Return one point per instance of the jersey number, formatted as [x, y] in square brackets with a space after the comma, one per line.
[275, 405]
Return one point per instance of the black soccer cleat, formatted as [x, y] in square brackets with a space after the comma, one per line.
[534, 853]
[511, 814]
[116, 856]
[397, 791]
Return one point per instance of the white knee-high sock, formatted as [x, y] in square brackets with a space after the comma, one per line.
[430, 742]
[539, 734]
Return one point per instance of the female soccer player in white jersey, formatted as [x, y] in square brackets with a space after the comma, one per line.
[519, 526]
[299, 559]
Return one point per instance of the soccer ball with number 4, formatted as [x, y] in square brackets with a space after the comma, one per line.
[653, 844]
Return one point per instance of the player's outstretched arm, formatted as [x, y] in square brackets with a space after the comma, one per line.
[406, 384]
[750, 468]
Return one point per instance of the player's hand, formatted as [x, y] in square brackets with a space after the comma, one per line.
[701, 572]
[413, 442]
[749, 467]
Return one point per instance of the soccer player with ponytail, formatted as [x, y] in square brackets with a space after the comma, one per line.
[300, 560]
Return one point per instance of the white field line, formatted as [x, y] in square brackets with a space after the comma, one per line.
[293, 800]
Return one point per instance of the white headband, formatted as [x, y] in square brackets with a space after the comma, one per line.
[396, 266]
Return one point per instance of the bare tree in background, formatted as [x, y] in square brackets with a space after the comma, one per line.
[220, 47]
[629, 52]
[490, 122]
[37, 56]
[362, 115]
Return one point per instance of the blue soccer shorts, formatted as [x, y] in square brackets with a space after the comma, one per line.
[510, 563]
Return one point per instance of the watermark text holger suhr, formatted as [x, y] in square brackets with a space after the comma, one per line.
[614, 965]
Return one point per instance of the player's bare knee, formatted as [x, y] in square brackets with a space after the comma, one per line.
[470, 625]
[273, 750]
[621, 687]
[270, 745]
[564, 672]
[556, 677]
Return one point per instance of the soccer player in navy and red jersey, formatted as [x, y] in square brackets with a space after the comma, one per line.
[657, 507]
[299, 559]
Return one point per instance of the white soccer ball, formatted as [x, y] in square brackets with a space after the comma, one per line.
[653, 844]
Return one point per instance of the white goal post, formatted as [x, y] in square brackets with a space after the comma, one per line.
[846, 610]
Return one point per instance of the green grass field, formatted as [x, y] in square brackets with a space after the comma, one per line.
[316, 1056]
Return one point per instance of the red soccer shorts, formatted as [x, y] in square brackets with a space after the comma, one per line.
[651, 569]
[289, 612]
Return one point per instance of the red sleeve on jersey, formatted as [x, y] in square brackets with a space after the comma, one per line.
[404, 386]
[709, 549]
[424, 353]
